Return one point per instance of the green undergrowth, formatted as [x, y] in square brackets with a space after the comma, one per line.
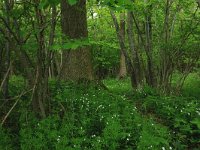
[122, 86]
[85, 117]
[181, 114]
[5, 140]
[90, 117]
[191, 88]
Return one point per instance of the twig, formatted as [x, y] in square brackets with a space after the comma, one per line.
[5, 77]
[18, 98]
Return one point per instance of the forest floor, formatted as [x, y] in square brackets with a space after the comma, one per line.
[176, 113]
[116, 118]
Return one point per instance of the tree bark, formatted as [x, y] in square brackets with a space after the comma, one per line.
[136, 70]
[150, 75]
[165, 56]
[122, 69]
[77, 64]
[40, 87]
[8, 47]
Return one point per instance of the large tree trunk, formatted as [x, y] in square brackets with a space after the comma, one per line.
[77, 64]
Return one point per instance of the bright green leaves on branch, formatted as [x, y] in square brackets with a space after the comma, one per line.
[70, 44]
[46, 3]
[119, 4]
[72, 2]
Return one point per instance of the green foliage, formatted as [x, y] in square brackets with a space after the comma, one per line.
[70, 44]
[106, 61]
[72, 2]
[180, 114]
[46, 3]
[92, 118]
[105, 46]
[5, 142]
[118, 4]
[153, 136]
[16, 85]
[88, 118]
[119, 86]
[192, 86]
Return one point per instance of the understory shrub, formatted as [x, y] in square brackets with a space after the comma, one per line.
[90, 118]
[5, 140]
[180, 114]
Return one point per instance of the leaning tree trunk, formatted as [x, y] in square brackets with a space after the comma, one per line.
[77, 64]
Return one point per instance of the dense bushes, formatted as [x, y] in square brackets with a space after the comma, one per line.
[192, 86]
[180, 114]
[88, 117]
[91, 118]
[85, 118]
[5, 140]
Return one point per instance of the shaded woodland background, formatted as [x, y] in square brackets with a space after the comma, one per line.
[98, 74]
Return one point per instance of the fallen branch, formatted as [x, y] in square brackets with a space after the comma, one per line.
[5, 77]
[18, 98]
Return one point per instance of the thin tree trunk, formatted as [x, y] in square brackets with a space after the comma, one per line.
[136, 72]
[122, 68]
[8, 47]
[150, 75]
[165, 58]
[40, 88]
[52, 67]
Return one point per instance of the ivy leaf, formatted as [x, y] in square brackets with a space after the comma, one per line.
[72, 2]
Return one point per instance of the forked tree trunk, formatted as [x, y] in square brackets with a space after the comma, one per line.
[136, 77]
[77, 64]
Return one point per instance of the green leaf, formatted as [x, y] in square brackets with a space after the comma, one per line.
[54, 2]
[74, 45]
[43, 4]
[56, 47]
[72, 2]
[196, 122]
